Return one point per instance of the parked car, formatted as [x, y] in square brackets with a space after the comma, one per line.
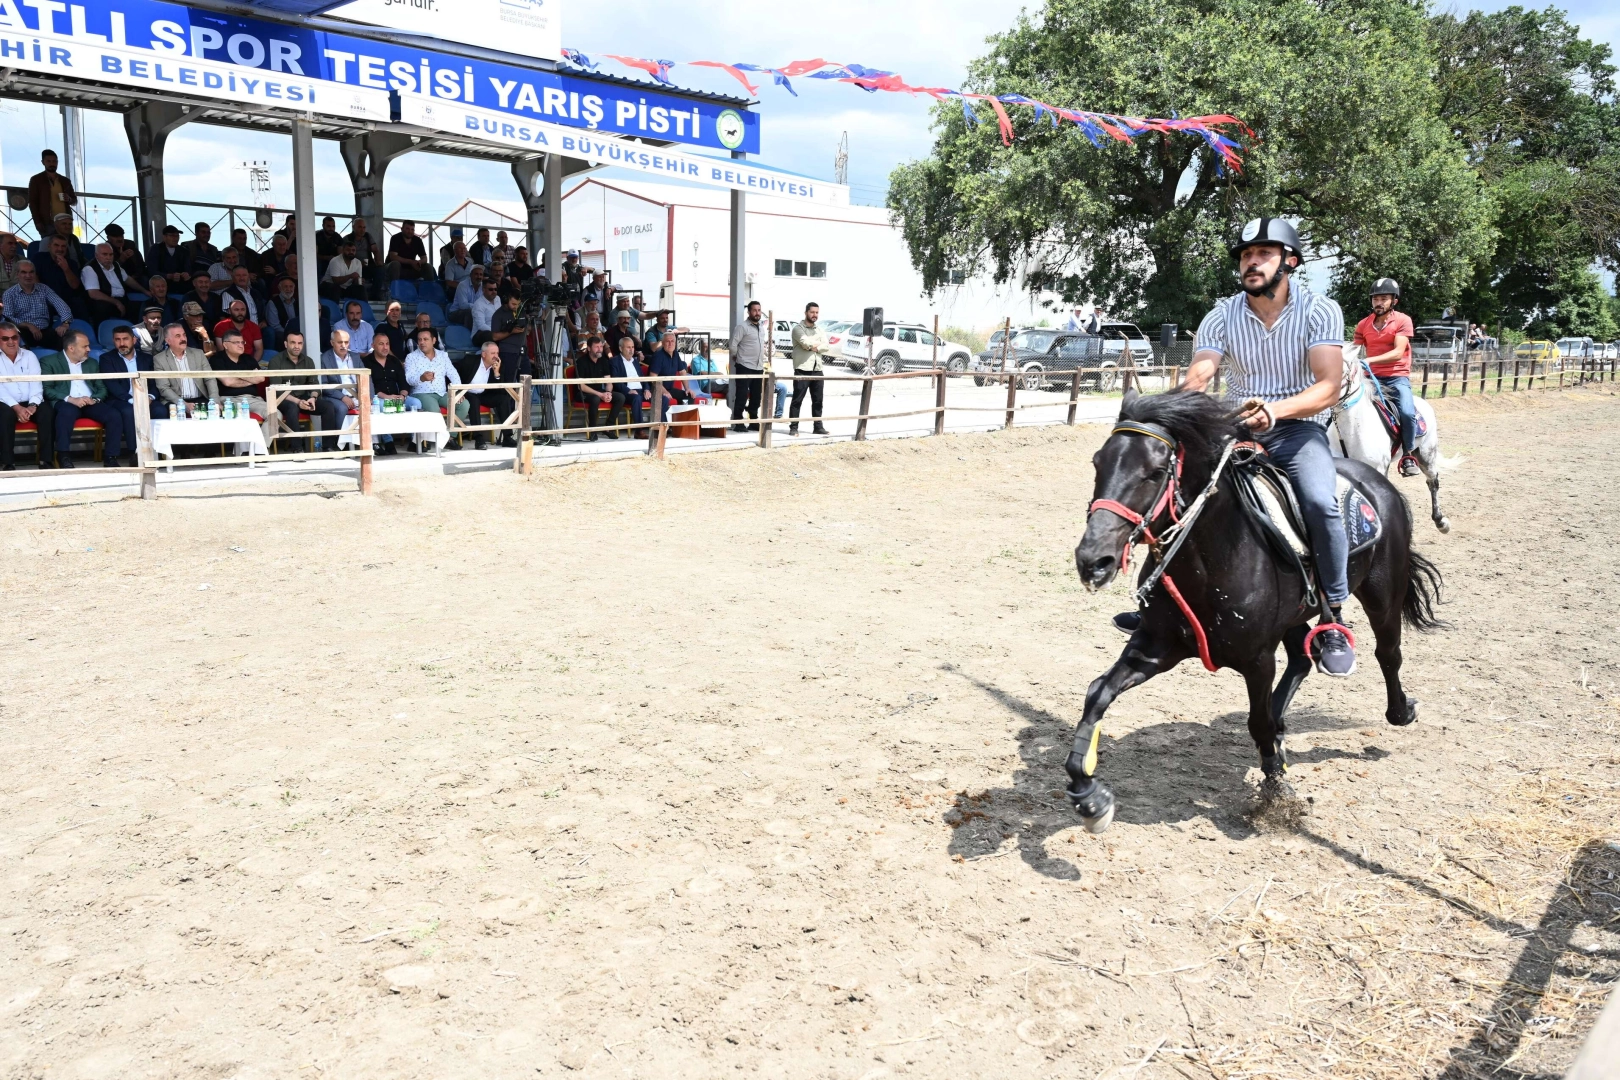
[1611, 351]
[1535, 350]
[1116, 334]
[1576, 348]
[902, 346]
[1041, 353]
[1438, 344]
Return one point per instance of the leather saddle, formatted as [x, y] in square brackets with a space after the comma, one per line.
[1268, 495]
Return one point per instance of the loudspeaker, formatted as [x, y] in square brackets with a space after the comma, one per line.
[1167, 334]
[872, 322]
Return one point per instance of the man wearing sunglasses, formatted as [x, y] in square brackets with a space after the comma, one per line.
[22, 402]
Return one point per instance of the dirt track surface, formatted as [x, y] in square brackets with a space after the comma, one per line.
[749, 764]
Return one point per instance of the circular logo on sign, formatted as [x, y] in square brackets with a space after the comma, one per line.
[729, 126]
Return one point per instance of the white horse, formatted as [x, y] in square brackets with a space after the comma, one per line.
[1358, 433]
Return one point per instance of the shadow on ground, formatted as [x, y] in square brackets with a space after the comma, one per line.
[1164, 773]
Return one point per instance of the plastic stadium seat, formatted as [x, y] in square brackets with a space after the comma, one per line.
[334, 310]
[403, 290]
[457, 337]
[366, 311]
[433, 310]
[89, 331]
[431, 292]
[104, 333]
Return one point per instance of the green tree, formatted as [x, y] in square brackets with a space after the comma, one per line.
[1348, 141]
[1532, 104]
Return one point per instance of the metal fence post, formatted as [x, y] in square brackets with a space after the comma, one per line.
[939, 402]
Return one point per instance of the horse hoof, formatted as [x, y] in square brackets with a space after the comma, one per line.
[1409, 716]
[1275, 789]
[1443, 525]
[1095, 807]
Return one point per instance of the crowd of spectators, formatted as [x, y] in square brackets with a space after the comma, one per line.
[231, 316]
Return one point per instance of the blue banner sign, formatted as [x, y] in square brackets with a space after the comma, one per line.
[174, 32]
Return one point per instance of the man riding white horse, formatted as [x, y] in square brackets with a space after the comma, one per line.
[1386, 334]
[1283, 346]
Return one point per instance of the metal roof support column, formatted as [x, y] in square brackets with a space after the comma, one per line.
[309, 279]
[533, 176]
[148, 127]
[555, 171]
[739, 255]
[367, 158]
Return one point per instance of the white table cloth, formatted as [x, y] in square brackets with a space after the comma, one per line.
[244, 432]
[429, 425]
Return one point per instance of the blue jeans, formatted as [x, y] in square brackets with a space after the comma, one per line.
[1300, 448]
[1398, 390]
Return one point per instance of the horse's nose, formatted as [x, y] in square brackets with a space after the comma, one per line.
[1095, 572]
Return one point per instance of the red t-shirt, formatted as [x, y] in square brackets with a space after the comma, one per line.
[1378, 342]
[251, 334]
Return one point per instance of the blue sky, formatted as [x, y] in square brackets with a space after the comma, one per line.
[929, 43]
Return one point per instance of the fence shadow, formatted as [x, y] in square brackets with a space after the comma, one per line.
[1164, 773]
[1587, 896]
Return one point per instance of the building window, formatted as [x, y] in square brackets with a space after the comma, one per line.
[791, 268]
[957, 277]
[630, 260]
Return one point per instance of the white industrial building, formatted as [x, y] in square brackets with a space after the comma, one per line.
[845, 258]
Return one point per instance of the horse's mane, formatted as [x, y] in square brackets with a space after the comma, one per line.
[1199, 422]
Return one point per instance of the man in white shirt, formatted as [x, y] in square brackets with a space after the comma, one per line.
[429, 373]
[241, 288]
[345, 276]
[107, 287]
[483, 311]
[469, 289]
[21, 402]
[355, 325]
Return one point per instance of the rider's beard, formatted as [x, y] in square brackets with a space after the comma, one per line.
[1269, 289]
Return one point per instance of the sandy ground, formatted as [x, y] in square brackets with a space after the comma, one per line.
[749, 764]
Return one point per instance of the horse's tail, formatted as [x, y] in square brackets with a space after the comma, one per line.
[1423, 585]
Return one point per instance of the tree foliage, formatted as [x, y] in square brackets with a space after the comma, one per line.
[1427, 149]
[1533, 105]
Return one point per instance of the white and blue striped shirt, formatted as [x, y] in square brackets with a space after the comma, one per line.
[1271, 364]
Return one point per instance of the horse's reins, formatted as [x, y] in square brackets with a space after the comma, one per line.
[1166, 546]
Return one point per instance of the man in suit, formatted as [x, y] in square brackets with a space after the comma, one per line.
[84, 398]
[339, 393]
[127, 358]
[178, 356]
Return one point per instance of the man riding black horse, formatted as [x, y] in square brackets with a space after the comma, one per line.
[1283, 346]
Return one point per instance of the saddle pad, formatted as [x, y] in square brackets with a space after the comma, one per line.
[1362, 525]
[1392, 421]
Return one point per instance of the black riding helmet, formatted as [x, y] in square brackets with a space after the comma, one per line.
[1387, 286]
[1269, 230]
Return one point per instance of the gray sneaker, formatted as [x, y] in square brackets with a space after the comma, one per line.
[1335, 655]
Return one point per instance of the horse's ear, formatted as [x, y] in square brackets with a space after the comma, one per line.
[1128, 398]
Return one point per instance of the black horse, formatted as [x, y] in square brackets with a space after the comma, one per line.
[1245, 597]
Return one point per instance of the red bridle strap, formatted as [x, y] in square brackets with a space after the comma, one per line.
[1166, 500]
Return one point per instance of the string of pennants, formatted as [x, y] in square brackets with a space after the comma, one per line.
[1096, 126]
